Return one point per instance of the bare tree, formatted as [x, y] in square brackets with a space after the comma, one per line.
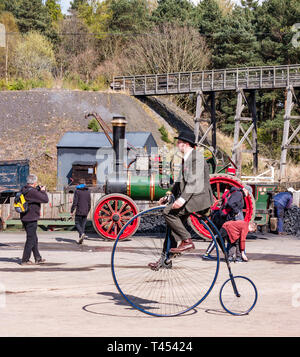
[76, 48]
[168, 48]
[84, 65]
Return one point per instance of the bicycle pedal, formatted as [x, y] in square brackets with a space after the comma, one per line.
[162, 264]
[175, 255]
[167, 264]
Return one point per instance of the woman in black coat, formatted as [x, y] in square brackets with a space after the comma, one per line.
[34, 196]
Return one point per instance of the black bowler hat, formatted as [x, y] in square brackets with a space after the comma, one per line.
[187, 136]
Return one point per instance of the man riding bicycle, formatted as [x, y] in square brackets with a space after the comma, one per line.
[192, 193]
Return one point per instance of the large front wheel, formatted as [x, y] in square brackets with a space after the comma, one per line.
[179, 284]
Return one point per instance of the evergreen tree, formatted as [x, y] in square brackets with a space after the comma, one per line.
[129, 16]
[33, 15]
[9, 5]
[54, 10]
[179, 11]
[74, 5]
[235, 44]
[275, 19]
[208, 18]
[96, 15]
[232, 40]
[250, 4]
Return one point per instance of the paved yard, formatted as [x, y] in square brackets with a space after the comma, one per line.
[74, 294]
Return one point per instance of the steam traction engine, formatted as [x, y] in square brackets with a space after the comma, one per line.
[147, 178]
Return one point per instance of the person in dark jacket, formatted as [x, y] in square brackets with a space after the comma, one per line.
[282, 201]
[231, 209]
[81, 205]
[34, 195]
[234, 205]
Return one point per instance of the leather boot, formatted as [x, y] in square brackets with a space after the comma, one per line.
[184, 246]
[161, 263]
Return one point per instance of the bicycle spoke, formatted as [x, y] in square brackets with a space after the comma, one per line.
[168, 291]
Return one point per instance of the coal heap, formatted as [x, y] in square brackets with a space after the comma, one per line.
[152, 223]
[291, 221]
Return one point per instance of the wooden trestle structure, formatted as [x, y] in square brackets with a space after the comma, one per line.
[245, 81]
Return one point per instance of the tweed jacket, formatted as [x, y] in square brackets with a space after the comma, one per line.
[193, 184]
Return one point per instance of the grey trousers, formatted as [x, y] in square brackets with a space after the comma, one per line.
[176, 220]
[233, 248]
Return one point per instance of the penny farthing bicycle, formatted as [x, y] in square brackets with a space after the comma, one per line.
[183, 281]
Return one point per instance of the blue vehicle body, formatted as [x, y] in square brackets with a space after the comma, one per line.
[13, 174]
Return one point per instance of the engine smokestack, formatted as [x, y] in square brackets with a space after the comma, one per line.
[119, 125]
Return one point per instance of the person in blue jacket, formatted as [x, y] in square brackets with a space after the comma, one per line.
[282, 201]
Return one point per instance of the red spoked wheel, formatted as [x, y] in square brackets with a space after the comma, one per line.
[219, 183]
[111, 213]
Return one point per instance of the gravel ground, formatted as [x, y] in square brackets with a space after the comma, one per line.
[73, 294]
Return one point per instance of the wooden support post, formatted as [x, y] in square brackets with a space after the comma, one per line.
[200, 106]
[254, 130]
[237, 142]
[199, 110]
[213, 120]
[286, 130]
[201, 137]
[286, 140]
[236, 151]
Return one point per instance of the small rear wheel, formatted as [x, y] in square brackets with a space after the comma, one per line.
[241, 301]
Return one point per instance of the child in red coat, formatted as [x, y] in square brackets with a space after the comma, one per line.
[235, 232]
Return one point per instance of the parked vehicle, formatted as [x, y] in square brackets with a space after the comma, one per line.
[13, 174]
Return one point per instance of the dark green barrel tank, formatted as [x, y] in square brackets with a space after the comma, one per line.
[145, 187]
[139, 187]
